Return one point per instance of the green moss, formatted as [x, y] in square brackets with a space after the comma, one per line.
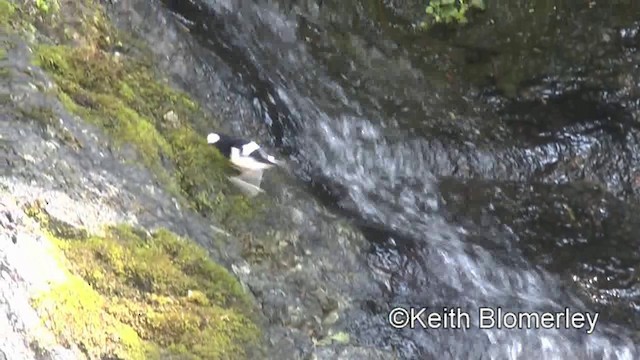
[139, 295]
[47, 6]
[76, 314]
[449, 11]
[7, 11]
[21, 17]
[168, 290]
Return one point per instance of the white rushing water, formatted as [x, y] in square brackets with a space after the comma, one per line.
[389, 183]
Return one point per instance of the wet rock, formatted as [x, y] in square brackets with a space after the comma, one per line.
[630, 36]
[581, 232]
[286, 343]
[10, 219]
[25, 267]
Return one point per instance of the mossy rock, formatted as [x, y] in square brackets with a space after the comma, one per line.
[76, 315]
[161, 263]
[143, 295]
[132, 294]
[121, 92]
[7, 12]
[158, 286]
[123, 97]
[109, 79]
[57, 227]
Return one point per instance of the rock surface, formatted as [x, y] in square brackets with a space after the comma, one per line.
[26, 267]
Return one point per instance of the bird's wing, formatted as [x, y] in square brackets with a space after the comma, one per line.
[261, 156]
[249, 148]
[248, 181]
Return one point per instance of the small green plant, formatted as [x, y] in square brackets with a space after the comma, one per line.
[44, 6]
[450, 11]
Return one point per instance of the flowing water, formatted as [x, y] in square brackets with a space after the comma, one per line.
[495, 165]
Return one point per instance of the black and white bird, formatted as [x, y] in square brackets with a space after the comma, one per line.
[247, 157]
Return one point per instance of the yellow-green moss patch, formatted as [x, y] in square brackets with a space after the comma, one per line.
[169, 290]
[136, 295]
[7, 11]
[76, 314]
[47, 6]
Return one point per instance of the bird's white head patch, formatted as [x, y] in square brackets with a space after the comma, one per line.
[213, 138]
